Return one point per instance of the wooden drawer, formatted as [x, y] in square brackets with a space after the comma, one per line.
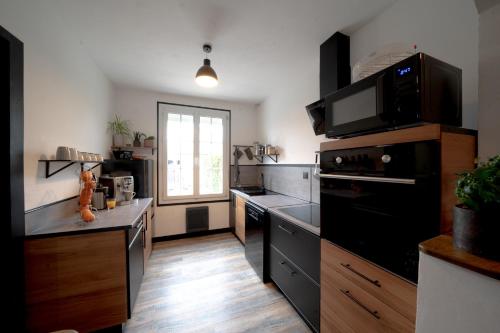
[299, 245]
[388, 288]
[345, 307]
[302, 292]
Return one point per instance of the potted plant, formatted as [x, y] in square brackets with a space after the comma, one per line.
[149, 141]
[137, 138]
[476, 224]
[120, 130]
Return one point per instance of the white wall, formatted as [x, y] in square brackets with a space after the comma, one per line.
[452, 299]
[446, 29]
[489, 83]
[66, 97]
[140, 108]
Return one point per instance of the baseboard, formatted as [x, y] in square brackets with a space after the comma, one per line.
[191, 234]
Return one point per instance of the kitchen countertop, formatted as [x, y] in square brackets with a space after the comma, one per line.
[297, 221]
[442, 247]
[121, 217]
[241, 194]
[275, 200]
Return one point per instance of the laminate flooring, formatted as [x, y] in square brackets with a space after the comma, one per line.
[205, 284]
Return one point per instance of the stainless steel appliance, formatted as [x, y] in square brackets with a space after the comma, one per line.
[419, 89]
[141, 170]
[136, 246]
[118, 186]
[381, 202]
[99, 197]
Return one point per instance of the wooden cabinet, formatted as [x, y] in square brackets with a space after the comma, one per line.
[77, 282]
[148, 235]
[240, 218]
[357, 296]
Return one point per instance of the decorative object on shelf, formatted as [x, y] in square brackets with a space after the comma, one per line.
[206, 76]
[63, 153]
[120, 130]
[74, 154]
[475, 221]
[149, 142]
[137, 138]
[381, 59]
[122, 154]
[88, 182]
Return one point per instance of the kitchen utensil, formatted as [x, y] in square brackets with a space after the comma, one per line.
[99, 158]
[129, 195]
[260, 149]
[249, 153]
[63, 153]
[237, 153]
[74, 155]
[99, 199]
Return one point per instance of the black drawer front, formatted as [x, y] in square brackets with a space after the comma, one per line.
[301, 246]
[298, 287]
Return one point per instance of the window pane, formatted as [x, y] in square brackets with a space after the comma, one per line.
[211, 155]
[180, 146]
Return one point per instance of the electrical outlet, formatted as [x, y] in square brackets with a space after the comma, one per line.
[305, 175]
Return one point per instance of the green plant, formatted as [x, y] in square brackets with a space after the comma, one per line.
[479, 189]
[138, 135]
[151, 137]
[119, 126]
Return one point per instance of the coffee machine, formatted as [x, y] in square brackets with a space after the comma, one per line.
[118, 186]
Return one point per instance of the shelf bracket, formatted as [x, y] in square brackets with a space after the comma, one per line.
[275, 158]
[49, 174]
[92, 168]
[259, 158]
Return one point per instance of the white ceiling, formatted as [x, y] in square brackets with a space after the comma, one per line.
[257, 44]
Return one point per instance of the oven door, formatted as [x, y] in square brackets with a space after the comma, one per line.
[358, 108]
[380, 219]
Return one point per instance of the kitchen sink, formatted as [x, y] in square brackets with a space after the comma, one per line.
[252, 190]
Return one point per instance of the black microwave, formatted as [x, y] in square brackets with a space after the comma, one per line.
[419, 89]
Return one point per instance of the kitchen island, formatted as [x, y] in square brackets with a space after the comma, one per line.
[85, 276]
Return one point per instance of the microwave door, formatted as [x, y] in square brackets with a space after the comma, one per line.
[356, 109]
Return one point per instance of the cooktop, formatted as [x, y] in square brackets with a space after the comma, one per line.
[309, 214]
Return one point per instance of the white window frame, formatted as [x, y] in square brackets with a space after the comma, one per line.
[163, 110]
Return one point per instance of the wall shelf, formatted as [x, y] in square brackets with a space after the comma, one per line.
[273, 157]
[134, 148]
[66, 165]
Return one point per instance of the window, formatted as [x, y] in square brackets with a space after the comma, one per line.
[193, 155]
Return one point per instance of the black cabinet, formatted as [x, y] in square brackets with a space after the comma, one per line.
[300, 245]
[299, 288]
[295, 266]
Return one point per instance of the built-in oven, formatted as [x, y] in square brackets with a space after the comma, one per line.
[381, 202]
[256, 242]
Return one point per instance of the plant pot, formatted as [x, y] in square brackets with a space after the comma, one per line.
[118, 140]
[476, 233]
[137, 143]
[149, 143]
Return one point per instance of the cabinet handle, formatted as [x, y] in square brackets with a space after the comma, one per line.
[291, 271]
[349, 267]
[355, 300]
[286, 230]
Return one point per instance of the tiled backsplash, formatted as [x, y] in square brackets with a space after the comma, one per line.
[284, 179]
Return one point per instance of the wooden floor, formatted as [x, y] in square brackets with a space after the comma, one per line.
[205, 284]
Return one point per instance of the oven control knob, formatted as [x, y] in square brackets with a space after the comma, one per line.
[386, 158]
[338, 160]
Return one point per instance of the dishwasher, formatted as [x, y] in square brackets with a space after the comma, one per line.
[135, 262]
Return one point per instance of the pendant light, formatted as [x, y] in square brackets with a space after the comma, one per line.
[206, 77]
